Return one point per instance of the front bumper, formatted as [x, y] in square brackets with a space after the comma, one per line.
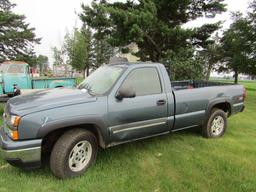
[25, 154]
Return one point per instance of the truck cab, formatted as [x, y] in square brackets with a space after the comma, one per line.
[14, 72]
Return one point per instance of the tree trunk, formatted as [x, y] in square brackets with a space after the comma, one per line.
[208, 73]
[157, 57]
[87, 71]
[84, 74]
[236, 76]
[154, 56]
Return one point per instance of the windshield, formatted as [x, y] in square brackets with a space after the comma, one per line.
[101, 80]
[16, 69]
[12, 68]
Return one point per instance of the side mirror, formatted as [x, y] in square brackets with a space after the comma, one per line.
[30, 71]
[125, 93]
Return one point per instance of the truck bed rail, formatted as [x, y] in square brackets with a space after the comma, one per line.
[190, 84]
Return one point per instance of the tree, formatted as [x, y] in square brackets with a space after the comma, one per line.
[210, 54]
[102, 52]
[155, 26]
[16, 37]
[239, 44]
[252, 21]
[87, 34]
[211, 57]
[237, 49]
[184, 64]
[42, 62]
[78, 49]
[58, 56]
[95, 18]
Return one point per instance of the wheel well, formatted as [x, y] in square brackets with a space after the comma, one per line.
[225, 106]
[50, 139]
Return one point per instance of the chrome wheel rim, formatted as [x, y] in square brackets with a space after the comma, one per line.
[80, 155]
[217, 125]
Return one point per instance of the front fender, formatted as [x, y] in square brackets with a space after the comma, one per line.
[38, 124]
[78, 121]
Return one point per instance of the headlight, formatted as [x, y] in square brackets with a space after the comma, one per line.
[13, 122]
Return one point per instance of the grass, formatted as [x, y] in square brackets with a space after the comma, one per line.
[182, 161]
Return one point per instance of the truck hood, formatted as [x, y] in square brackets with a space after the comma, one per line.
[47, 99]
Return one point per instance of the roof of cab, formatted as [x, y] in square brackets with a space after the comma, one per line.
[14, 62]
[127, 64]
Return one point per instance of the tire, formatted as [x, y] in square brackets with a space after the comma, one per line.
[73, 153]
[216, 124]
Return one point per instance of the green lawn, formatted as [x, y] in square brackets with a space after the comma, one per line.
[183, 161]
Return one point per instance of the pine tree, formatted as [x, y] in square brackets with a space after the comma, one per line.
[16, 37]
[157, 27]
[95, 18]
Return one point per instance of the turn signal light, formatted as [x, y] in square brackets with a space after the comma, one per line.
[15, 135]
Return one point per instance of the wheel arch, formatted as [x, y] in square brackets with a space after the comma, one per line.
[58, 83]
[52, 135]
[223, 104]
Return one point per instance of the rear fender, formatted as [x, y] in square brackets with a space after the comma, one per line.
[214, 103]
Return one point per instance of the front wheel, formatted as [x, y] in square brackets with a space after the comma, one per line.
[216, 124]
[73, 153]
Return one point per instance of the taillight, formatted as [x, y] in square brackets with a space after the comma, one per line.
[244, 93]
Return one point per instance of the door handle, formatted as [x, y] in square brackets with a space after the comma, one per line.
[161, 102]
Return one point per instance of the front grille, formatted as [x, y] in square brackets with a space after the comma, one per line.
[6, 119]
[7, 108]
[5, 122]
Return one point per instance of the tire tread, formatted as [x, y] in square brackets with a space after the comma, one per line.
[206, 127]
[61, 150]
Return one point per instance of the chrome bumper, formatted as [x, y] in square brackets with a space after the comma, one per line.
[25, 154]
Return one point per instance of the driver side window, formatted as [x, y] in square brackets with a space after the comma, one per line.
[144, 81]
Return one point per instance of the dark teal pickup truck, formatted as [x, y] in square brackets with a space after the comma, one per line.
[16, 75]
[117, 103]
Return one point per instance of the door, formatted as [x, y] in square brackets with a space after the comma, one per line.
[143, 115]
[28, 84]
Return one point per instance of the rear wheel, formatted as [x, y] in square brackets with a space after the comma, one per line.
[216, 124]
[73, 153]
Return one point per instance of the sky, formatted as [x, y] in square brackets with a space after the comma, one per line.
[53, 18]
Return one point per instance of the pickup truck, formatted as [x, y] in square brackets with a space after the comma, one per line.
[117, 103]
[15, 75]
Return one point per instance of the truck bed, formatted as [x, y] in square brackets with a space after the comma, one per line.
[53, 82]
[193, 98]
[191, 84]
